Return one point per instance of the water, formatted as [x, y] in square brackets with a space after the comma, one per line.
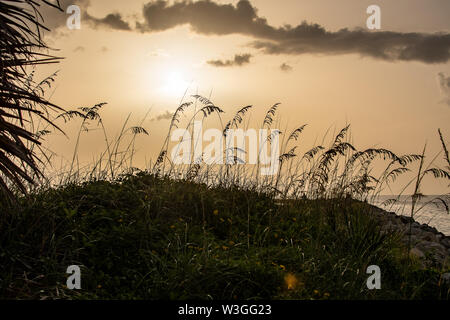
[434, 214]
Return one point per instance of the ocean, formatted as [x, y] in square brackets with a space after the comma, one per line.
[434, 214]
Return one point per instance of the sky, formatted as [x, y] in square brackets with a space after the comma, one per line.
[317, 58]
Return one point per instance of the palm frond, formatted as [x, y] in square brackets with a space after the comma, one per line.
[21, 48]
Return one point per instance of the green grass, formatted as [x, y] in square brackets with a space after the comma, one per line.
[150, 237]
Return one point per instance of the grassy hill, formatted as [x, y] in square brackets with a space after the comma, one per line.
[148, 237]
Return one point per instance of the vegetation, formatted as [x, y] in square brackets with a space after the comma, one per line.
[208, 232]
[21, 99]
[196, 231]
[147, 237]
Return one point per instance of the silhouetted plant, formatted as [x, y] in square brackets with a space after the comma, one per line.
[21, 47]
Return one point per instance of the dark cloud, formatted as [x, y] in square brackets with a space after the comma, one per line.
[444, 85]
[239, 60]
[204, 16]
[54, 18]
[210, 18]
[285, 67]
[385, 45]
[112, 20]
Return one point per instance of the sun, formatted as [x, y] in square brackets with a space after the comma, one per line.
[175, 83]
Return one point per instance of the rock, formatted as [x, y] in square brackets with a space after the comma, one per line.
[388, 226]
[417, 253]
[446, 242]
[397, 222]
[433, 246]
[429, 237]
[414, 231]
[428, 228]
[414, 240]
[436, 251]
[428, 244]
[405, 219]
[446, 277]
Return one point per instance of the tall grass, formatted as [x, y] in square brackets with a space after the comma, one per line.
[242, 231]
[338, 170]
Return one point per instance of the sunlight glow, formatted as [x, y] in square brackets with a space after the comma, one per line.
[175, 84]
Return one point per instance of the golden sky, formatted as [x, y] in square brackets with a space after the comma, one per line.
[138, 55]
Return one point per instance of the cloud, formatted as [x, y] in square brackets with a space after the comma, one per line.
[112, 21]
[79, 49]
[239, 60]
[211, 18]
[385, 45]
[444, 85]
[54, 18]
[163, 116]
[204, 16]
[159, 53]
[285, 67]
